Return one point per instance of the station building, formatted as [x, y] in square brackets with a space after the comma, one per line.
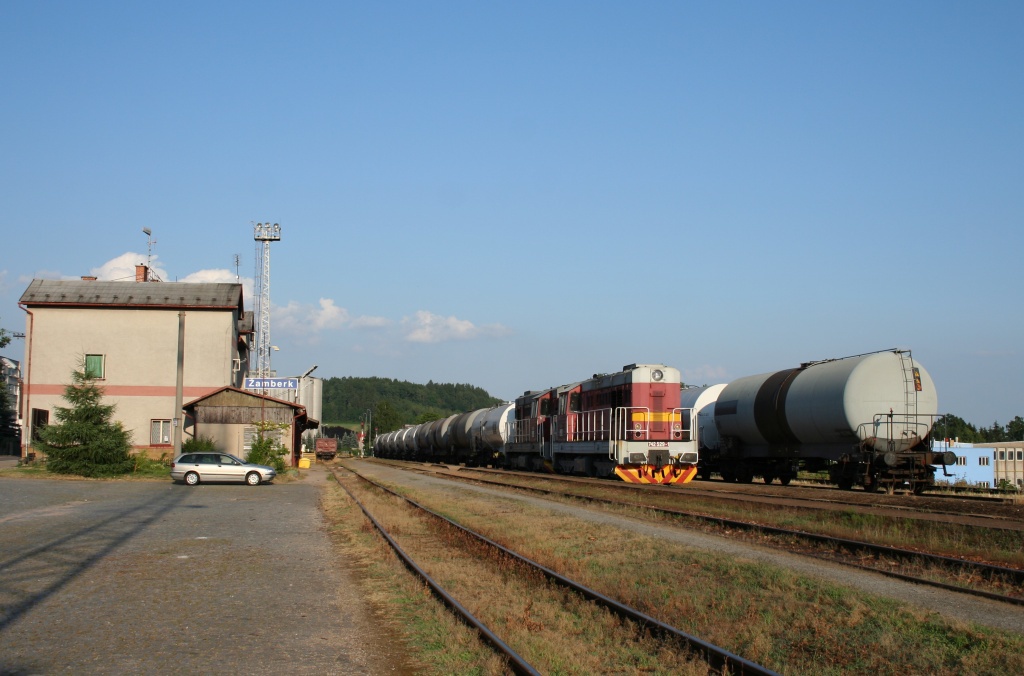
[126, 334]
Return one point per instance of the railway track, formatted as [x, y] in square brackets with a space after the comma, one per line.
[737, 493]
[957, 568]
[716, 657]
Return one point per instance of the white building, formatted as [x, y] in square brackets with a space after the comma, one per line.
[127, 334]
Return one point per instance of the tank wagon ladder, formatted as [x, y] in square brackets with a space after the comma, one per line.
[911, 385]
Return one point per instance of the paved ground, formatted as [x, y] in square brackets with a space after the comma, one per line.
[144, 577]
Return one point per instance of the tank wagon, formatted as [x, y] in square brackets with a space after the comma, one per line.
[474, 438]
[627, 424]
[866, 419]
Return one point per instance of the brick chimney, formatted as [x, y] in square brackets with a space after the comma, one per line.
[141, 273]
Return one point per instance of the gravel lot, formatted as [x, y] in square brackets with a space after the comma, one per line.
[950, 604]
[146, 577]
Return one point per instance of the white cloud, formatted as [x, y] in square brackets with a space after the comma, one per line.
[426, 327]
[122, 268]
[303, 318]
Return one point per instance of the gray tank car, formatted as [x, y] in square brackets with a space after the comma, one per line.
[866, 419]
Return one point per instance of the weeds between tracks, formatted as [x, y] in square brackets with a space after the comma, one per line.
[773, 616]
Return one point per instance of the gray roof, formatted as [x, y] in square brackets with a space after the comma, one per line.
[132, 294]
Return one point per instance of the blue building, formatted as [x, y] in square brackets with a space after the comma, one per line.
[974, 466]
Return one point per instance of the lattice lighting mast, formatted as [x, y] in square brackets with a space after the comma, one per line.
[265, 233]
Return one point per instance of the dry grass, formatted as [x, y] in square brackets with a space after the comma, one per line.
[437, 642]
[769, 615]
[556, 631]
[1004, 547]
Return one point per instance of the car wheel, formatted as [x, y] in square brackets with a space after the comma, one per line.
[191, 478]
[253, 478]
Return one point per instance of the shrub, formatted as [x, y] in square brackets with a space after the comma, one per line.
[266, 450]
[199, 444]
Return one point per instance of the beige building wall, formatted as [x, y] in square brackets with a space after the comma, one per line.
[139, 346]
[1007, 462]
[231, 437]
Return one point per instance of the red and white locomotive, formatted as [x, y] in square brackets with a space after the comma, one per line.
[628, 424]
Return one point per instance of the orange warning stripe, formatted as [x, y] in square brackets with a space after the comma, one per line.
[649, 474]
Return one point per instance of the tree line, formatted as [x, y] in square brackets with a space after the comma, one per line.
[394, 403]
[950, 426]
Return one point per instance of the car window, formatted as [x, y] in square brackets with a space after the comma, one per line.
[186, 459]
[209, 459]
[227, 460]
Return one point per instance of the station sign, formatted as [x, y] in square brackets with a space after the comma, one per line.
[271, 383]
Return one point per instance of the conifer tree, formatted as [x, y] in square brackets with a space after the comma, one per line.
[84, 441]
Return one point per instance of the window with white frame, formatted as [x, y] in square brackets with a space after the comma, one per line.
[961, 460]
[983, 461]
[160, 432]
[95, 366]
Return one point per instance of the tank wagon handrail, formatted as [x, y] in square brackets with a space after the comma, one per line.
[907, 422]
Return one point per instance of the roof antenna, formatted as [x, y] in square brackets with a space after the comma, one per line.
[149, 248]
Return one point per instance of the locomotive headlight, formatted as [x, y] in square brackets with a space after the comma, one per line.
[657, 375]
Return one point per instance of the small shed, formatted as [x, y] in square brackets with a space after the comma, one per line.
[229, 417]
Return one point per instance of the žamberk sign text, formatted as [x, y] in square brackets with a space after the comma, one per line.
[271, 383]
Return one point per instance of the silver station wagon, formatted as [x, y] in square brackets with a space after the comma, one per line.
[193, 468]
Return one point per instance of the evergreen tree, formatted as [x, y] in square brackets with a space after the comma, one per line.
[8, 416]
[84, 441]
[1015, 429]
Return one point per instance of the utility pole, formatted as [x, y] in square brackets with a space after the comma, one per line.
[179, 387]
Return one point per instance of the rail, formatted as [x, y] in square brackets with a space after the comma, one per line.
[717, 657]
[519, 665]
[987, 571]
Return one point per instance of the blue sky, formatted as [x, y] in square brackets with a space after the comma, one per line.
[518, 195]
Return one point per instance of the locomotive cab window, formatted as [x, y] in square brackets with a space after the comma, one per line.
[574, 402]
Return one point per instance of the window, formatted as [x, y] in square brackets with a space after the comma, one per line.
[1020, 455]
[94, 366]
[160, 432]
[983, 461]
[961, 460]
[1002, 455]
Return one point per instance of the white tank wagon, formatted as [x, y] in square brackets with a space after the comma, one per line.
[489, 432]
[866, 418]
[701, 402]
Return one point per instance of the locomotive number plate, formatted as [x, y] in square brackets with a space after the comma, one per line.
[657, 444]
